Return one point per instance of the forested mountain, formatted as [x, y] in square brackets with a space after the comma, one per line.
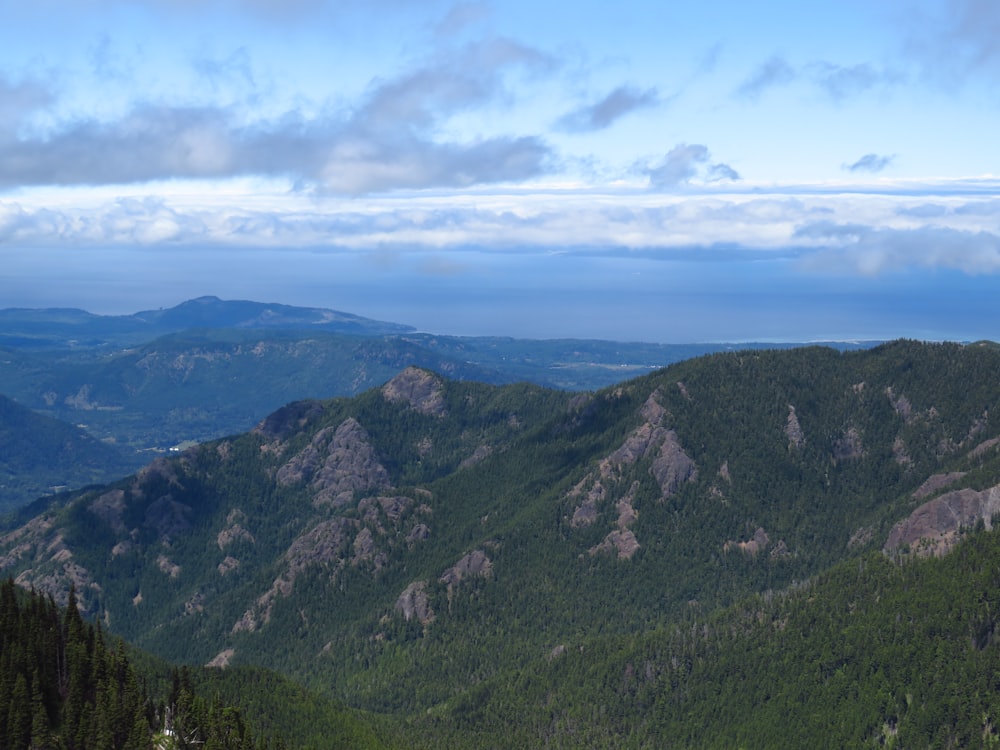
[454, 555]
[39, 455]
[209, 368]
[64, 686]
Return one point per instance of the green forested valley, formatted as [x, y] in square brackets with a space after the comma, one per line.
[756, 548]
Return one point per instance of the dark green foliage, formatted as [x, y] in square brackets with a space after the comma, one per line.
[39, 454]
[872, 653]
[62, 687]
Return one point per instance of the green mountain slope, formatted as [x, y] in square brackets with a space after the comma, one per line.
[64, 686]
[408, 549]
[873, 653]
[39, 455]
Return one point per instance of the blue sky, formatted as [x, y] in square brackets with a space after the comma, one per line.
[716, 171]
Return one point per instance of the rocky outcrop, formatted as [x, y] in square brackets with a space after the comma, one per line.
[935, 527]
[901, 405]
[52, 567]
[337, 464]
[752, 547]
[621, 541]
[670, 466]
[326, 542]
[413, 603]
[168, 566]
[793, 430]
[222, 659]
[474, 564]
[935, 483]
[422, 390]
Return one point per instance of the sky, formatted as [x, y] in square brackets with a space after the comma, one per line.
[642, 170]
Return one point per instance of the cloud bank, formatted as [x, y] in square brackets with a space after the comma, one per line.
[390, 141]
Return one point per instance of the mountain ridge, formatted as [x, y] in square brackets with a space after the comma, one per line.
[401, 545]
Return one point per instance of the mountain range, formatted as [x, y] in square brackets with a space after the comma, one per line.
[159, 380]
[697, 557]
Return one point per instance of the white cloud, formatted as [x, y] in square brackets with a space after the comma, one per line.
[871, 251]
[604, 112]
[683, 163]
[390, 140]
[774, 71]
[870, 163]
[845, 229]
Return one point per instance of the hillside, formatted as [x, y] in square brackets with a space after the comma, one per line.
[65, 686]
[40, 455]
[419, 546]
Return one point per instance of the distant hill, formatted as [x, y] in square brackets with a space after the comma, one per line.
[40, 455]
[57, 328]
[511, 566]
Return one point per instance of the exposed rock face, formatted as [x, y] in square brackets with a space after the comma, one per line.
[222, 659]
[337, 464]
[228, 565]
[622, 540]
[480, 454]
[109, 508]
[793, 430]
[423, 390]
[167, 566]
[758, 543]
[670, 466]
[476, 563]
[413, 603]
[54, 568]
[326, 542]
[934, 527]
[984, 447]
[901, 404]
[622, 543]
[936, 482]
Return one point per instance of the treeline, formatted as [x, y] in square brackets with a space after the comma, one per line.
[63, 687]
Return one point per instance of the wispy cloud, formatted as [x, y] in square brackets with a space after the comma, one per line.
[870, 163]
[772, 72]
[461, 16]
[961, 39]
[604, 112]
[684, 162]
[841, 82]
